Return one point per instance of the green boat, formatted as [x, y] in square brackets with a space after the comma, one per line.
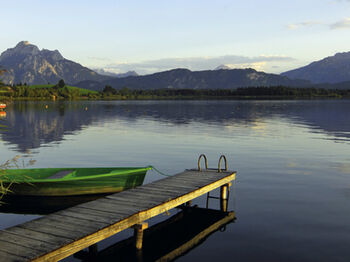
[72, 181]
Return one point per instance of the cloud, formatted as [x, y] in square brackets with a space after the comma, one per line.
[332, 2]
[342, 24]
[303, 24]
[197, 63]
[342, 167]
[99, 58]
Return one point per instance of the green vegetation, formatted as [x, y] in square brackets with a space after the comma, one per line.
[1, 72]
[13, 163]
[82, 91]
[61, 91]
[240, 93]
[44, 92]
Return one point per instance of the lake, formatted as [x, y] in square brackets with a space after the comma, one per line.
[292, 192]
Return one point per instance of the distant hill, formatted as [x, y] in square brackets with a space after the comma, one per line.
[102, 71]
[186, 79]
[224, 67]
[333, 69]
[25, 63]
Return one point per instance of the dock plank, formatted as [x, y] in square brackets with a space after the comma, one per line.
[70, 223]
[111, 206]
[78, 221]
[48, 230]
[5, 257]
[18, 250]
[88, 217]
[37, 235]
[27, 242]
[91, 222]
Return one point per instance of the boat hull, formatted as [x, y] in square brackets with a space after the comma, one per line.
[82, 186]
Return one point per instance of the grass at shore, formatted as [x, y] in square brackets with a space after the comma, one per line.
[49, 92]
[82, 91]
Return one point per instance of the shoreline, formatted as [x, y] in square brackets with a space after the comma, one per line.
[171, 98]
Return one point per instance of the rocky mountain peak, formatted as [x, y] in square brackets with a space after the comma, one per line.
[223, 67]
[332, 69]
[26, 63]
[22, 43]
[24, 47]
[342, 56]
[52, 55]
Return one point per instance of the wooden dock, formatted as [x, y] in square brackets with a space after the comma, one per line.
[61, 234]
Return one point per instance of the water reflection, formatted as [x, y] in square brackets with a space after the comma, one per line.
[37, 205]
[34, 124]
[167, 240]
[291, 156]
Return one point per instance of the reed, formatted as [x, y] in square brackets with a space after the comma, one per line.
[4, 189]
[15, 162]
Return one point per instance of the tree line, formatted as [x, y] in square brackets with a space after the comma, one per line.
[58, 91]
[62, 91]
[247, 92]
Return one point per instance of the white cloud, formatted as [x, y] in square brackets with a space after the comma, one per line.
[292, 26]
[338, 1]
[198, 63]
[342, 24]
[99, 58]
[303, 24]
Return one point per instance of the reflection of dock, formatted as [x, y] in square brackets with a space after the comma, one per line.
[167, 240]
[61, 234]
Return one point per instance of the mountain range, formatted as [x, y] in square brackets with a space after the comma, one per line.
[332, 69]
[102, 71]
[186, 79]
[26, 63]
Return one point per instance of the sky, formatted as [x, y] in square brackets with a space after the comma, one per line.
[150, 36]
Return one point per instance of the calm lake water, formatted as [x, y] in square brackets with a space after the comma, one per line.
[292, 197]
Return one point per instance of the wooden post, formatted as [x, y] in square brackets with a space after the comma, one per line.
[223, 192]
[138, 233]
[224, 197]
[93, 250]
[189, 203]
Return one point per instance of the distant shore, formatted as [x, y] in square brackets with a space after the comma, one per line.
[189, 98]
[51, 92]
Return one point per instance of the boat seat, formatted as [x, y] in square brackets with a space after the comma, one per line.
[60, 174]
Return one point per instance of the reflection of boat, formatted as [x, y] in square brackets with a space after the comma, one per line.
[2, 114]
[183, 232]
[72, 181]
[41, 205]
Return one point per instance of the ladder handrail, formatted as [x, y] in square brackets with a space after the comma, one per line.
[205, 161]
[219, 165]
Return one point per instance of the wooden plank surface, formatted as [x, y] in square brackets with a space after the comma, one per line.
[91, 222]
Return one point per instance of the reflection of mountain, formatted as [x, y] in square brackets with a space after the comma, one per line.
[330, 117]
[31, 124]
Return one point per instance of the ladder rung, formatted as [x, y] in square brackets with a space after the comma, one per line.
[213, 197]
